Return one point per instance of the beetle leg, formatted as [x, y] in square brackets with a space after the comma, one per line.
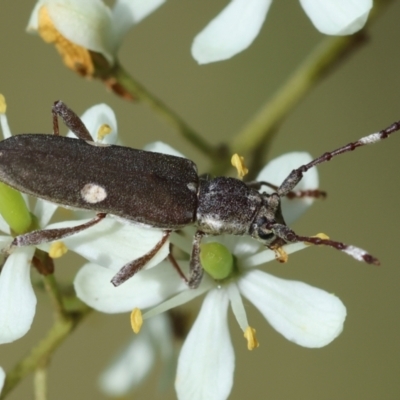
[48, 235]
[71, 120]
[131, 268]
[196, 270]
[174, 263]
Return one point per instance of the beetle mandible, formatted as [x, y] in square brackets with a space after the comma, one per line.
[65, 171]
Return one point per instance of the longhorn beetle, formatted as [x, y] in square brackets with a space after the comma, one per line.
[157, 190]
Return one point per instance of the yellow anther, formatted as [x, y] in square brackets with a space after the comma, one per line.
[75, 57]
[103, 131]
[238, 162]
[319, 236]
[136, 320]
[57, 249]
[3, 104]
[250, 336]
[280, 254]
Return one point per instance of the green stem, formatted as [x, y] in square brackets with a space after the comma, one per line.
[139, 92]
[40, 382]
[315, 67]
[310, 72]
[42, 352]
[55, 295]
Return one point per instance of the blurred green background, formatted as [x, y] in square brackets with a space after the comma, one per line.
[360, 97]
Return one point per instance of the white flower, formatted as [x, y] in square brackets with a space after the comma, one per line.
[91, 24]
[238, 24]
[138, 358]
[17, 297]
[303, 314]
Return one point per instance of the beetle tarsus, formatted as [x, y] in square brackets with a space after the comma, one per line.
[71, 120]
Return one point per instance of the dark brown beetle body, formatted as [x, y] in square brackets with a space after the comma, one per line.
[152, 189]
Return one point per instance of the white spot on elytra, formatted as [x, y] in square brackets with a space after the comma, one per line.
[93, 193]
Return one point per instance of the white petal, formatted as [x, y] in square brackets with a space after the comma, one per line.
[2, 378]
[303, 314]
[34, 17]
[86, 23]
[237, 306]
[145, 289]
[165, 345]
[17, 298]
[112, 244]
[131, 366]
[206, 362]
[96, 116]
[278, 169]
[5, 240]
[161, 147]
[268, 255]
[231, 31]
[4, 126]
[44, 210]
[127, 13]
[181, 298]
[4, 226]
[337, 17]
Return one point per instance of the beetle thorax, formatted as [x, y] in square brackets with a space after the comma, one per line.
[227, 205]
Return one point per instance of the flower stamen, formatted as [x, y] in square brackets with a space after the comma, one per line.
[250, 336]
[136, 320]
[75, 57]
[57, 249]
[238, 162]
[103, 131]
[3, 104]
[280, 254]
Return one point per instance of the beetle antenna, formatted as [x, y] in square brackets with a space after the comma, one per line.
[285, 235]
[297, 174]
[296, 194]
[355, 252]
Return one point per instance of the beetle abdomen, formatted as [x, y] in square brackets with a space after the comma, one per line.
[150, 188]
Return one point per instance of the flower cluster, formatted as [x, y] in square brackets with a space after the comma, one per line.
[101, 29]
[303, 314]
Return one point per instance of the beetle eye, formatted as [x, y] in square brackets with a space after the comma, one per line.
[265, 235]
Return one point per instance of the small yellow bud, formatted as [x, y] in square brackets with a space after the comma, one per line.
[136, 320]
